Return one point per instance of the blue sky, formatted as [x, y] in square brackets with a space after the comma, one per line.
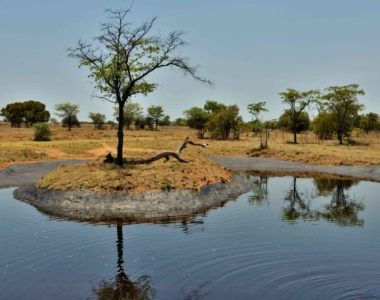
[251, 50]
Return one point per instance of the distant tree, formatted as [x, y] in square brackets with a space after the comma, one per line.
[213, 106]
[53, 121]
[298, 102]
[123, 56]
[68, 112]
[156, 113]
[144, 122]
[111, 123]
[271, 124]
[132, 112]
[180, 122]
[35, 112]
[303, 122]
[197, 118]
[255, 109]
[73, 121]
[342, 102]
[165, 121]
[13, 113]
[28, 112]
[42, 131]
[369, 122]
[225, 121]
[324, 126]
[98, 119]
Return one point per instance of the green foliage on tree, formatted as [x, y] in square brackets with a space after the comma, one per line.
[212, 106]
[303, 122]
[342, 102]
[257, 125]
[144, 122]
[98, 119]
[165, 121]
[132, 112]
[123, 55]
[197, 118]
[68, 112]
[271, 124]
[226, 122]
[28, 112]
[324, 125]
[369, 122]
[156, 113]
[42, 131]
[298, 102]
[72, 122]
[180, 122]
[255, 109]
[13, 113]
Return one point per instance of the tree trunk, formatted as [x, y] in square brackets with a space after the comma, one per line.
[340, 138]
[120, 136]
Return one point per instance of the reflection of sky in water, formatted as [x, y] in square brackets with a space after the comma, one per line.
[244, 250]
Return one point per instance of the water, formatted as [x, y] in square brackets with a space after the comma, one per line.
[287, 239]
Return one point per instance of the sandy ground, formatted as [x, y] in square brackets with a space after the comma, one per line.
[89, 206]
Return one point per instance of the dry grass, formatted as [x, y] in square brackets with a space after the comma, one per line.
[17, 145]
[109, 178]
[363, 149]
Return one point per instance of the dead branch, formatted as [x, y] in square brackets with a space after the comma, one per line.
[162, 154]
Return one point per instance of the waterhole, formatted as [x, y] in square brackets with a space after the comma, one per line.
[288, 238]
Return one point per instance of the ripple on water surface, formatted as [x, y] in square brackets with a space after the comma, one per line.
[244, 250]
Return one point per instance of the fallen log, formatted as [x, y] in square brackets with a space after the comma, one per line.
[162, 154]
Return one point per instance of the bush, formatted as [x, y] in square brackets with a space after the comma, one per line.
[224, 122]
[42, 132]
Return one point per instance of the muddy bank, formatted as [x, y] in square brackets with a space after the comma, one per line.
[87, 205]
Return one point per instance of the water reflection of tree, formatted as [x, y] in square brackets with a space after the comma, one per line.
[341, 210]
[260, 191]
[122, 287]
[299, 207]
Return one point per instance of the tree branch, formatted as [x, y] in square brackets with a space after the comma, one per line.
[163, 154]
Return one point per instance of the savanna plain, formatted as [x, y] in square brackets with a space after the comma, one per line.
[17, 146]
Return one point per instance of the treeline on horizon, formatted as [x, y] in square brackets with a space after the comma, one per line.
[338, 113]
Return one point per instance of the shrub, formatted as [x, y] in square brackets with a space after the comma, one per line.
[225, 121]
[42, 132]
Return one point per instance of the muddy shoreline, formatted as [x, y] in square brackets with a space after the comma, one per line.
[86, 205]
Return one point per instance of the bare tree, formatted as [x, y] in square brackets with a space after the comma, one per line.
[123, 55]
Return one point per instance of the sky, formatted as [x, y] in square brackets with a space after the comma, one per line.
[251, 49]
